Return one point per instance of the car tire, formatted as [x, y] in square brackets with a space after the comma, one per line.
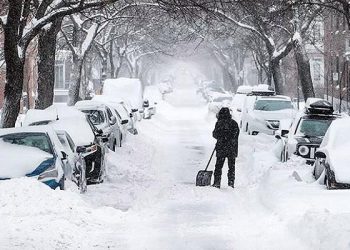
[62, 182]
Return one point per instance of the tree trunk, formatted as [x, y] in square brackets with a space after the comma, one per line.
[74, 89]
[14, 67]
[304, 72]
[46, 65]
[275, 68]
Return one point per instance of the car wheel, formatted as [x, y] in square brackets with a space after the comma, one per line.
[82, 182]
[61, 183]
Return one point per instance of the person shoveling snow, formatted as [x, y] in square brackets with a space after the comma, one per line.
[226, 133]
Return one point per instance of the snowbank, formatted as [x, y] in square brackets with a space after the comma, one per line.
[34, 216]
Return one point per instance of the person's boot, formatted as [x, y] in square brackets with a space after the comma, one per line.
[231, 183]
[217, 180]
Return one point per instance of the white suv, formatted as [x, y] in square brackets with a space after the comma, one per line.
[263, 114]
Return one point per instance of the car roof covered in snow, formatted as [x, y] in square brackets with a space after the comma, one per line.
[70, 119]
[88, 104]
[244, 89]
[129, 89]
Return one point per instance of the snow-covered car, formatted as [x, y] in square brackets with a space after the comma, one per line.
[103, 119]
[86, 138]
[332, 156]
[219, 101]
[263, 114]
[127, 89]
[149, 109]
[34, 152]
[124, 110]
[307, 130]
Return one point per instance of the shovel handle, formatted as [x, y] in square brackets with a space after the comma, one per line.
[210, 159]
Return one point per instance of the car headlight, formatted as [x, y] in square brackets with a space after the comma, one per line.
[51, 172]
[303, 150]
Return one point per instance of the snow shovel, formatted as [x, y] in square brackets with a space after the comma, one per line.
[204, 176]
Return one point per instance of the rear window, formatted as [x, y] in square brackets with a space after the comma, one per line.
[272, 105]
[36, 140]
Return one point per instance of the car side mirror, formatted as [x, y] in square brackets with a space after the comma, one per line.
[64, 155]
[124, 122]
[80, 149]
[113, 120]
[134, 110]
[99, 131]
[284, 132]
[278, 137]
[104, 139]
[320, 155]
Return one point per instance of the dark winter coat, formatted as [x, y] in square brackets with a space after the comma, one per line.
[226, 133]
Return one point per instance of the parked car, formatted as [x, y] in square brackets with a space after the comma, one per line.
[124, 110]
[332, 156]
[103, 119]
[263, 114]
[149, 109]
[34, 152]
[307, 130]
[219, 101]
[88, 141]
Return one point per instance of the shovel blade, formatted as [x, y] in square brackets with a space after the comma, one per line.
[204, 178]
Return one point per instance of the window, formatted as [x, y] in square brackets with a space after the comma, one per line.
[36, 140]
[313, 127]
[272, 105]
[317, 70]
[59, 75]
[96, 116]
[317, 36]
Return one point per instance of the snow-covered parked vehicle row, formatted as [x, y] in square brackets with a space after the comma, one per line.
[34, 152]
[306, 133]
[86, 141]
[332, 160]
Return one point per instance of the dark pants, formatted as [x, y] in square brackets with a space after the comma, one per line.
[220, 160]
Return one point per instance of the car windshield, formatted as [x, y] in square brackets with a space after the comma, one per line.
[313, 127]
[37, 140]
[272, 105]
[96, 116]
[223, 98]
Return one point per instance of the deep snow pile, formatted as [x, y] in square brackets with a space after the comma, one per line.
[35, 217]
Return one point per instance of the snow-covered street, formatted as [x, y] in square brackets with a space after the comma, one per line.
[150, 200]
